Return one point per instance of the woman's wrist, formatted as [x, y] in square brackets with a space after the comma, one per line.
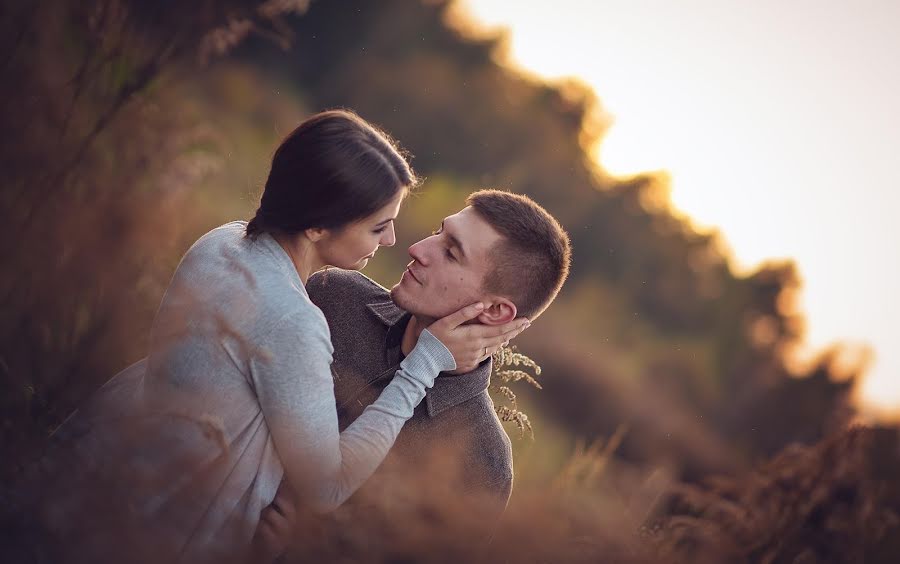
[429, 357]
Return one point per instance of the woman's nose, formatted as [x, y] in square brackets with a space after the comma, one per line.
[389, 237]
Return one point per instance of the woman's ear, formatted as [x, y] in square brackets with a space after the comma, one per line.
[315, 234]
[497, 312]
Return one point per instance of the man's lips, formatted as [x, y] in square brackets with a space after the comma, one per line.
[413, 274]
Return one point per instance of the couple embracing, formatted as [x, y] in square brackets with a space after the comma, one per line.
[275, 385]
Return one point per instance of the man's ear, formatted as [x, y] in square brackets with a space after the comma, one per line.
[497, 312]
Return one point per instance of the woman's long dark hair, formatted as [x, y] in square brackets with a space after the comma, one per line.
[332, 170]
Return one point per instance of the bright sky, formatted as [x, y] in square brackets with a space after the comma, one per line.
[778, 121]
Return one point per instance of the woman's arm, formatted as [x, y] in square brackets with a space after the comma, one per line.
[291, 372]
[292, 375]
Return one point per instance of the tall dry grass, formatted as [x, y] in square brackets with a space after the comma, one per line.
[837, 501]
[100, 172]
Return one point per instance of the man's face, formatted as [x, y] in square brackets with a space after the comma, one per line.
[447, 268]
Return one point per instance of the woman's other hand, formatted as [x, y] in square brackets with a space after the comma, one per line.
[471, 344]
[276, 526]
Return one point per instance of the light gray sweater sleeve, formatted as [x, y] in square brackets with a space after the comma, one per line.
[293, 381]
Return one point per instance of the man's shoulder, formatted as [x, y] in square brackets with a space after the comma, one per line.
[489, 452]
[488, 447]
[335, 285]
[491, 435]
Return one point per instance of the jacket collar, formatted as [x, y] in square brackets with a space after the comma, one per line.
[448, 390]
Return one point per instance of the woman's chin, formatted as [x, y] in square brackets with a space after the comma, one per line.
[358, 265]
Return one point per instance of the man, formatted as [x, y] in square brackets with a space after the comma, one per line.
[503, 250]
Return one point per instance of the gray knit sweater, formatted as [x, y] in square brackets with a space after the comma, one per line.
[239, 393]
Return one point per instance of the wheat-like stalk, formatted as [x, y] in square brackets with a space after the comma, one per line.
[506, 413]
[509, 356]
[508, 367]
[508, 394]
[507, 376]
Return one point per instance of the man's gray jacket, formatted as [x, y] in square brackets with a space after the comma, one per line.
[457, 414]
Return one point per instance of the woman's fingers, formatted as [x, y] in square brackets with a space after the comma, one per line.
[284, 501]
[491, 345]
[512, 332]
[277, 507]
[489, 334]
[276, 522]
[267, 536]
[472, 344]
[493, 338]
[514, 327]
[457, 318]
[273, 532]
[276, 531]
[273, 519]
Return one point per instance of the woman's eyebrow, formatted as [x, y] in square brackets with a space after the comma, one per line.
[385, 222]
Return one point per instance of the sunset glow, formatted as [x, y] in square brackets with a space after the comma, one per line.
[786, 112]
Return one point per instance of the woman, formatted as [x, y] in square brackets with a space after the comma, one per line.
[237, 392]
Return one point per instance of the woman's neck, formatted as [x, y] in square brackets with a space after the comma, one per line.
[302, 253]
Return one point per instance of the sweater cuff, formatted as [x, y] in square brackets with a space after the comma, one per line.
[429, 358]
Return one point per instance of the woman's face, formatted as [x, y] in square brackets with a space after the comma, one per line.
[353, 245]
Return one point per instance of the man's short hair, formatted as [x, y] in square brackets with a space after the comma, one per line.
[531, 262]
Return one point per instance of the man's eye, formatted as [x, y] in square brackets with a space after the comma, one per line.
[438, 231]
[449, 254]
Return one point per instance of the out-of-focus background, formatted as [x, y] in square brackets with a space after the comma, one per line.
[778, 125]
[132, 127]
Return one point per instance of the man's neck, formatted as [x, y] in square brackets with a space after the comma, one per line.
[411, 334]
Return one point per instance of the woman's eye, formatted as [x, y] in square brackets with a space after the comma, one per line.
[380, 230]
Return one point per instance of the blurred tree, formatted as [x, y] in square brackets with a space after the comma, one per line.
[654, 327]
[684, 322]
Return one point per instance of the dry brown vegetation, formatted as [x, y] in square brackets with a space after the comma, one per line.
[115, 119]
[835, 502]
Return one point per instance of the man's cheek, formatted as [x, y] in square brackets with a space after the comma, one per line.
[460, 300]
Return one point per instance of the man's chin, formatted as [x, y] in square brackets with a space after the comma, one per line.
[402, 300]
[397, 296]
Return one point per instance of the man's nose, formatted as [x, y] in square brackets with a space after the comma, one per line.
[418, 252]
